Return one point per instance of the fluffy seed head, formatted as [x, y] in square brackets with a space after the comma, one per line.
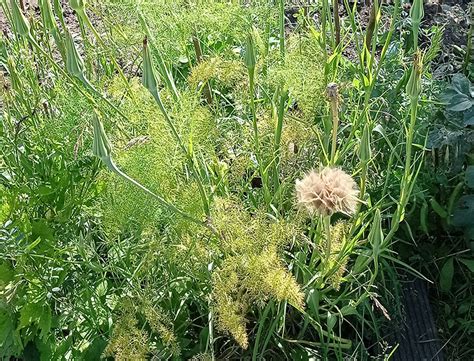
[328, 191]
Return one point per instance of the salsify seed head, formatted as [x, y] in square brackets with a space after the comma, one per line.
[328, 191]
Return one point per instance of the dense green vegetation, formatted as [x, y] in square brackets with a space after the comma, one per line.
[223, 181]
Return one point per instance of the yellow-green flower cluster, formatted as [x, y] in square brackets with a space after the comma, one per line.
[252, 271]
[337, 261]
[130, 341]
[229, 73]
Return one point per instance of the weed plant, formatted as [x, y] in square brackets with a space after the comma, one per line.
[241, 201]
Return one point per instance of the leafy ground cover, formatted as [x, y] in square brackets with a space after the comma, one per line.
[223, 181]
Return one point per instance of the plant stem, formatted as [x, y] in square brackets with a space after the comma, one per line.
[199, 58]
[327, 231]
[282, 29]
[337, 23]
[333, 95]
[112, 166]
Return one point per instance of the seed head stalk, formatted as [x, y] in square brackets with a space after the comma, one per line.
[282, 29]
[326, 220]
[333, 95]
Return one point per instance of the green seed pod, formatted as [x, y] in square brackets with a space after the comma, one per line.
[20, 24]
[74, 63]
[364, 150]
[413, 87]
[438, 208]
[417, 12]
[78, 5]
[250, 57]
[100, 146]
[47, 15]
[148, 77]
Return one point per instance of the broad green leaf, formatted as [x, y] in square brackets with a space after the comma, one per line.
[10, 342]
[331, 320]
[463, 215]
[348, 310]
[469, 263]
[461, 84]
[6, 274]
[469, 117]
[30, 313]
[470, 176]
[44, 323]
[460, 103]
[446, 275]
[458, 95]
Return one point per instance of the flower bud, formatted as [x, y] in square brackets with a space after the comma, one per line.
[148, 77]
[364, 150]
[417, 12]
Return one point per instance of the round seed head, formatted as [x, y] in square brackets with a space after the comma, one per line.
[326, 192]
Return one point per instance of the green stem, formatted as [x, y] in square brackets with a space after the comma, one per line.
[85, 94]
[85, 18]
[327, 231]
[113, 167]
[282, 29]
[406, 184]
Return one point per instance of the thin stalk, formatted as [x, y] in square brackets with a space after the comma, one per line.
[327, 230]
[333, 95]
[407, 180]
[252, 108]
[64, 73]
[324, 11]
[278, 132]
[211, 334]
[467, 58]
[149, 81]
[282, 29]
[199, 58]
[337, 23]
[164, 71]
[365, 154]
[85, 18]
